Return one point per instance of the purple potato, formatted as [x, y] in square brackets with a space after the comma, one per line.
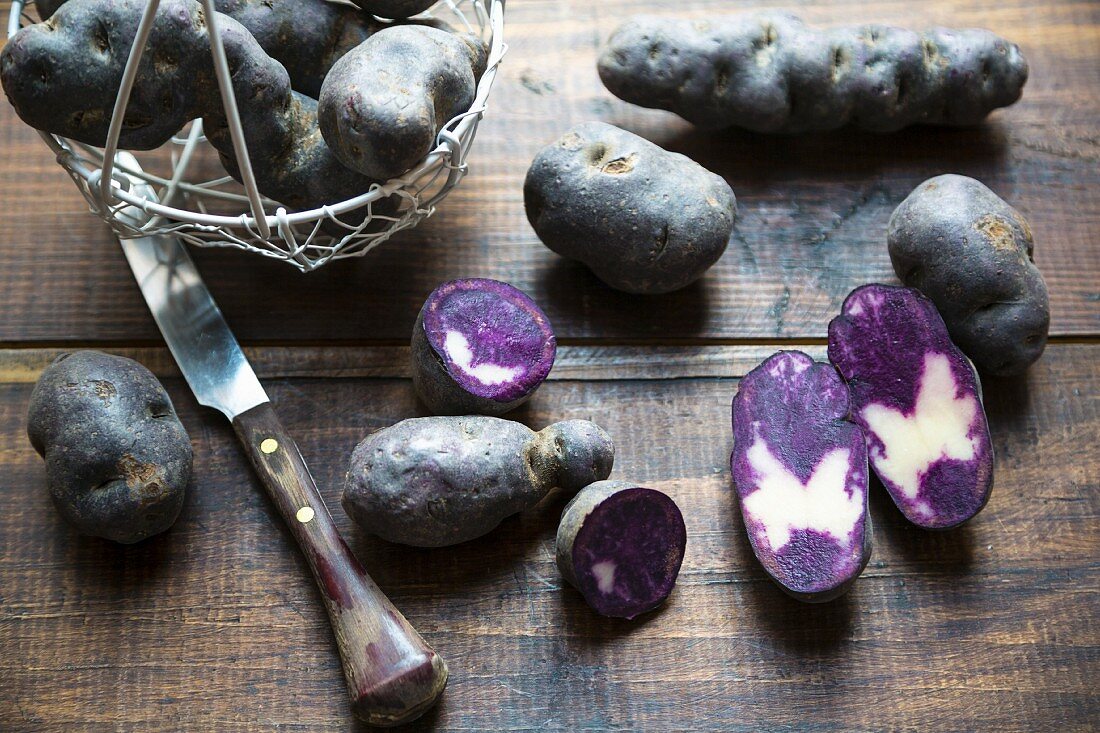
[770, 72]
[971, 254]
[480, 346]
[438, 481]
[62, 76]
[305, 36]
[643, 219]
[621, 546]
[385, 101]
[307, 49]
[800, 469]
[118, 459]
[918, 400]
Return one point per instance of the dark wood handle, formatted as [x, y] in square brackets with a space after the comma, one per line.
[393, 676]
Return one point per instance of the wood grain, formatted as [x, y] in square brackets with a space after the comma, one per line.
[213, 626]
[216, 626]
[813, 209]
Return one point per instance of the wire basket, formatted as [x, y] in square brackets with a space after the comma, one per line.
[198, 205]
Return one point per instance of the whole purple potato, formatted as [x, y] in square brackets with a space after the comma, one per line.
[49, 78]
[621, 545]
[480, 346]
[800, 469]
[437, 481]
[118, 460]
[384, 102]
[769, 72]
[643, 219]
[971, 254]
[919, 402]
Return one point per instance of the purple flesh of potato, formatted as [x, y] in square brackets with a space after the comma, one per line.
[918, 400]
[480, 346]
[800, 469]
[621, 546]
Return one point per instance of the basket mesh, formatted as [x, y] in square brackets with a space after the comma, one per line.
[204, 207]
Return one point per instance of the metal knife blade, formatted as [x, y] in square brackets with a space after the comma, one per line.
[192, 324]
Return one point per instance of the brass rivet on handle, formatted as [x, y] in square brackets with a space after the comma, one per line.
[269, 445]
[305, 514]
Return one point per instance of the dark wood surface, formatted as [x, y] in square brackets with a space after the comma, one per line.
[217, 626]
[813, 209]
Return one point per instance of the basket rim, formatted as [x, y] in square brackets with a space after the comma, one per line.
[448, 146]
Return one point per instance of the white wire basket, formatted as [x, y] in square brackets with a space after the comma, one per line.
[196, 202]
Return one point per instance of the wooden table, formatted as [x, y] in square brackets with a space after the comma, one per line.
[215, 625]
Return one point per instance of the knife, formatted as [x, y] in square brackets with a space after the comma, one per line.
[393, 676]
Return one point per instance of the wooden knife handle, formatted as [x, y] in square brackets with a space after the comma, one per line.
[393, 676]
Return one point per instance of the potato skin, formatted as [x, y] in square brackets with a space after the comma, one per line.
[47, 76]
[118, 459]
[770, 72]
[305, 36]
[384, 102]
[394, 8]
[643, 219]
[438, 481]
[971, 254]
[307, 49]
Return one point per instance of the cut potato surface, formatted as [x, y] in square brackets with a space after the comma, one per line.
[918, 400]
[800, 470]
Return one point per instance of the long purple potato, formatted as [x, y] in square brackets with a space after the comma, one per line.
[918, 400]
[800, 469]
[63, 75]
[770, 72]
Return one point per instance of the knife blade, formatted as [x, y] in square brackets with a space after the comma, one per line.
[393, 676]
[192, 324]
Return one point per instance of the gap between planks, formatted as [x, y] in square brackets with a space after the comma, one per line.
[577, 362]
[573, 362]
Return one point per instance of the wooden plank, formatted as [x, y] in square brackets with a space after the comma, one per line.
[214, 625]
[813, 209]
[333, 362]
